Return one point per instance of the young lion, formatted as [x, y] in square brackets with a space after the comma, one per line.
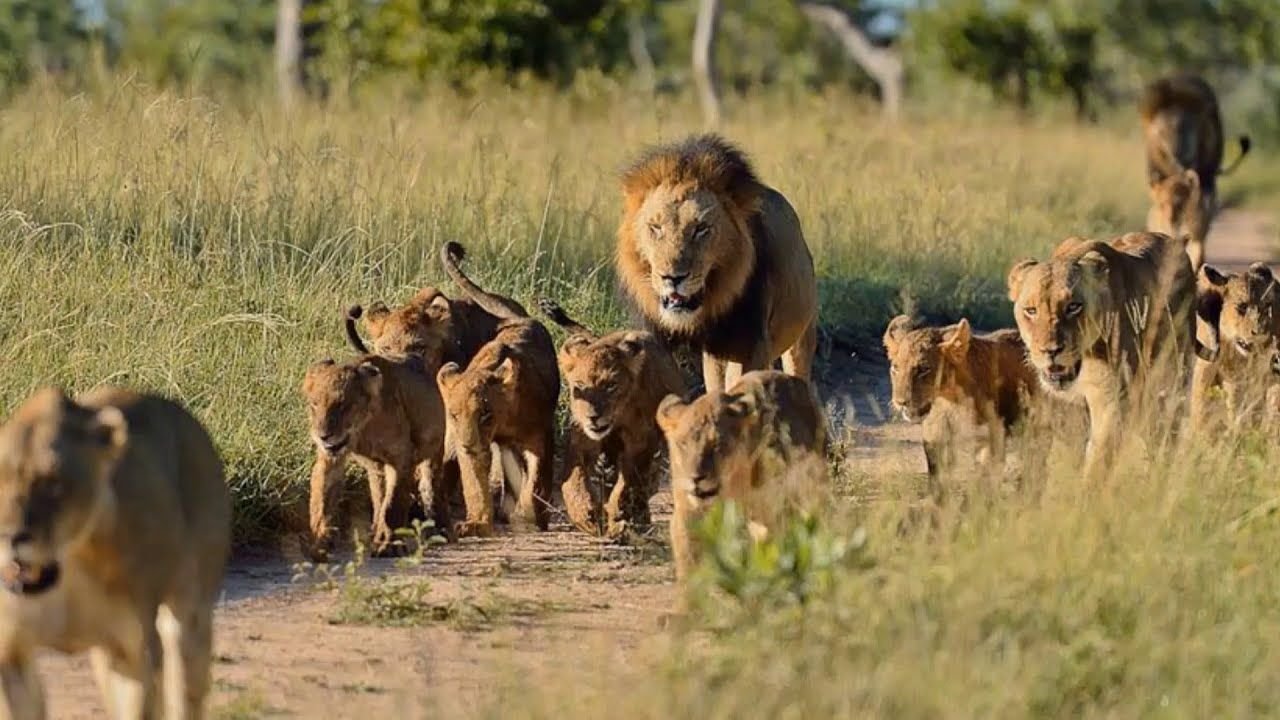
[1103, 320]
[1240, 312]
[936, 369]
[506, 396]
[761, 444]
[708, 254]
[115, 527]
[615, 384]
[1184, 142]
[386, 415]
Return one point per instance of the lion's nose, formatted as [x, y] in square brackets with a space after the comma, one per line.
[20, 538]
[674, 280]
[1053, 351]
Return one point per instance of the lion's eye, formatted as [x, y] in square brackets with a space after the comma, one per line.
[1029, 311]
[1074, 309]
[655, 229]
[1242, 308]
[611, 388]
[700, 230]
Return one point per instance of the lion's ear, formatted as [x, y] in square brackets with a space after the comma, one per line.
[740, 405]
[375, 317]
[575, 344]
[1191, 178]
[1095, 264]
[505, 372]
[670, 410]
[635, 350]
[955, 341]
[1210, 277]
[448, 375]
[1016, 275]
[1262, 271]
[896, 331]
[109, 429]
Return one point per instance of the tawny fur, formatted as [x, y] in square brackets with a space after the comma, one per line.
[761, 444]
[1182, 128]
[615, 384]
[709, 255]
[506, 397]
[937, 370]
[1240, 314]
[1102, 320]
[431, 325]
[128, 519]
[387, 416]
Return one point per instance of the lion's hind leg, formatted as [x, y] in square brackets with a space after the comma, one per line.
[797, 360]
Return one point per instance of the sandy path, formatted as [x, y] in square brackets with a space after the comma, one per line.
[1239, 237]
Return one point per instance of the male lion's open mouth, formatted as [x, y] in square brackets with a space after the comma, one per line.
[677, 303]
[1244, 347]
[1060, 377]
[29, 580]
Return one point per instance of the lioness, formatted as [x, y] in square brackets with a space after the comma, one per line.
[386, 415]
[761, 444]
[115, 526]
[937, 370]
[615, 384]
[1184, 143]
[1240, 312]
[708, 254]
[1101, 319]
[506, 396]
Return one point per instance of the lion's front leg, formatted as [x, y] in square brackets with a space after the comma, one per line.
[713, 373]
[580, 503]
[326, 494]
[628, 506]
[474, 464]
[21, 697]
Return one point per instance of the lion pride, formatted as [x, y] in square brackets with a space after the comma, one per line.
[708, 254]
[1184, 142]
[1101, 320]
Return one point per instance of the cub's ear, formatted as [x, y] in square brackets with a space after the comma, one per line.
[1261, 271]
[1095, 263]
[376, 317]
[575, 344]
[1209, 277]
[109, 429]
[670, 410]
[740, 405]
[1191, 178]
[633, 345]
[369, 371]
[956, 340]
[505, 372]
[896, 331]
[448, 375]
[1016, 275]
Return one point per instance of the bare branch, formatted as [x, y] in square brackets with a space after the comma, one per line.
[704, 69]
[884, 66]
[288, 50]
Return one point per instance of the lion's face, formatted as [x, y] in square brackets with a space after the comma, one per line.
[56, 459]
[1176, 204]
[685, 235]
[1247, 324]
[340, 401]
[707, 440]
[920, 362]
[602, 375]
[423, 327]
[473, 398]
[1059, 307]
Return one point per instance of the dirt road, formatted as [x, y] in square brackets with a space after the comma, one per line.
[512, 606]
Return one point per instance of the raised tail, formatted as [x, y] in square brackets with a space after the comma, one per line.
[557, 315]
[1245, 145]
[353, 335]
[501, 307]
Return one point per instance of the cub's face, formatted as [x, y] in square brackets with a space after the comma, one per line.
[56, 460]
[919, 363]
[1058, 308]
[1247, 325]
[424, 326]
[1176, 204]
[340, 400]
[683, 233]
[472, 400]
[602, 375]
[706, 440]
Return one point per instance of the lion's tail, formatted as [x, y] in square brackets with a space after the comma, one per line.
[501, 307]
[557, 315]
[1245, 145]
[353, 335]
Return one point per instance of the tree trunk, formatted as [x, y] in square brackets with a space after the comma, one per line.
[638, 45]
[704, 68]
[883, 65]
[288, 50]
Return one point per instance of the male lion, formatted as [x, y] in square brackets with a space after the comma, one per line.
[507, 397]
[386, 415]
[115, 526]
[615, 384]
[1240, 313]
[761, 444]
[934, 371]
[708, 254]
[1102, 320]
[1184, 142]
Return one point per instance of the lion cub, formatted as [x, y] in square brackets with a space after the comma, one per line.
[933, 370]
[115, 526]
[761, 444]
[386, 415]
[506, 396]
[615, 384]
[1239, 313]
